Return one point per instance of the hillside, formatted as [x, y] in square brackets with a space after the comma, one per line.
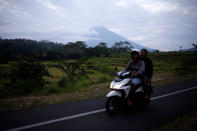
[102, 34]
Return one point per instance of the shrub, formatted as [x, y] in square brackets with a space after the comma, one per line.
[102, 78]
[104, 68]
[52, 90]
[82, 83]
[65, 82]
[26, 77]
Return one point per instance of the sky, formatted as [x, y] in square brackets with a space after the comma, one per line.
[158, 24]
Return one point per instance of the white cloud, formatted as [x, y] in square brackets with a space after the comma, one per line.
[3, 4]
[138, 38]
[122, 3]
[18, 13]
[48, 4]
[162, 6]
[159, 7]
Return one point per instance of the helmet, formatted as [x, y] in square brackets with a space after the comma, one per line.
[135, 50]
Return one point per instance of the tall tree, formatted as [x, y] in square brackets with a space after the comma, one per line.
[122, 46]
[195, 45]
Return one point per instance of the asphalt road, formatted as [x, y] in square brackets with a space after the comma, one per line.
[167, 103]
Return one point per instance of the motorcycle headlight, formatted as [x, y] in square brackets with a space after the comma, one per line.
[116, 86]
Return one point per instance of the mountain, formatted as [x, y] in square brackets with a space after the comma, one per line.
[102, 34]
[191, 49]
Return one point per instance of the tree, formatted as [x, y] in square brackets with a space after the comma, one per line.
[75, 50]
[75, 71]
[76, 45]
[101, 50]
[195, 45]
[122, 46]
[156, 51]
[180, 48]
[102, 44]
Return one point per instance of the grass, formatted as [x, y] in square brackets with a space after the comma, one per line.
[56, 73]
[186, 122]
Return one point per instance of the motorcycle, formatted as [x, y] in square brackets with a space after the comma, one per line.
[120, 93]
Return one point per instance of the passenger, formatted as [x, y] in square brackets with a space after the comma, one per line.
[148, 72]
[137, 68]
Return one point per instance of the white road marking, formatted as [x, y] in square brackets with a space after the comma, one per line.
[88, 113]
[157, 97]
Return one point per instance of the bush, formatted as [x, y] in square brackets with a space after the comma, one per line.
[65, 82]
[26, 77]
[82, 83]
[102, 78]
[104, 68]
[51, 90]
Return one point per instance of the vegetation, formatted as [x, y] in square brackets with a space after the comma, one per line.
[24, 49]
[195, 45]
[23, 78]
[186, 122]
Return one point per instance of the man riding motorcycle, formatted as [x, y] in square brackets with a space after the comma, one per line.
[137, 68]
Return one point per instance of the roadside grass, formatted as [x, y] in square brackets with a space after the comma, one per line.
[17, 103]
[186, 122]
[169, 77]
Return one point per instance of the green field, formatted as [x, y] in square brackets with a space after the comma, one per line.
[171, 67]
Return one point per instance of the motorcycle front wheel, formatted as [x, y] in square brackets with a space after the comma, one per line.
[113, 105]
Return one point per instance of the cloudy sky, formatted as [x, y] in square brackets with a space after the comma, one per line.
[158, 24]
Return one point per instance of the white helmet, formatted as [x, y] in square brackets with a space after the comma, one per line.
[135, 50]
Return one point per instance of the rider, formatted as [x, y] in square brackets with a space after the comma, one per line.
[148, 71]
[137, 68]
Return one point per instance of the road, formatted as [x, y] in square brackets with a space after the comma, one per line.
[167, 103]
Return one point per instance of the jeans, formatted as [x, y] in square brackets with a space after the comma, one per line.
[135, 81]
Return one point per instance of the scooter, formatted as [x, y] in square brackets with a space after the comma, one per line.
[120, 93]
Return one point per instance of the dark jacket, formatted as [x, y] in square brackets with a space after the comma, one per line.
[148, 67]
[136, 67]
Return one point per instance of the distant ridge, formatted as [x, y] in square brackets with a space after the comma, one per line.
[102, 34]
[191, 49]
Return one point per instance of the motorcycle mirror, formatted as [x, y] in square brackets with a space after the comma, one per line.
[115, 70]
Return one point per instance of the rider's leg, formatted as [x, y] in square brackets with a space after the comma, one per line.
[146, 89]
[130, 93]
[134, 83]
[146, 83]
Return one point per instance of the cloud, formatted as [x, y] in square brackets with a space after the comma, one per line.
[158, 6]
[161, 6]
[3, 5]
[48, 4]
[138, 38]
[121, 3]
[157, 24]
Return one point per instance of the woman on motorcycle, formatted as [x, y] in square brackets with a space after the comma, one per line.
[137, 68]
